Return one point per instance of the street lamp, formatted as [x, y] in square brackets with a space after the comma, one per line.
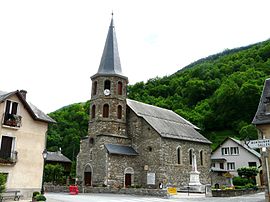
[44, 155]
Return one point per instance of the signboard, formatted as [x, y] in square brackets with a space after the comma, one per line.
[258, 143]
[151, 178]
[172, 190]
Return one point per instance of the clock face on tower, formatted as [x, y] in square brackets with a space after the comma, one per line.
[107, 92]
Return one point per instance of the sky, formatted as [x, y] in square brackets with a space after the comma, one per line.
[51, 48]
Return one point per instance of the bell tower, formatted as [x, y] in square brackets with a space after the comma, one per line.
[109, 92]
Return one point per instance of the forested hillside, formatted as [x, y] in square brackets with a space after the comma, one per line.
[219, 94]
[72, 124]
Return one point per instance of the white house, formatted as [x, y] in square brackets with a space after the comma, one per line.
[22, 140]
[230, 155]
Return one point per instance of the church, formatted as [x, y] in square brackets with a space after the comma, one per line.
[133, 144]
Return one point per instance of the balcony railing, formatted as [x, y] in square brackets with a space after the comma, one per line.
[12, 120]
[8, 158]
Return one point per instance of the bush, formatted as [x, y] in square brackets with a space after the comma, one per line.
[3, 179]
[239, 181]
[239, 187]
[250, 186]
[40, 197]
[35, 194]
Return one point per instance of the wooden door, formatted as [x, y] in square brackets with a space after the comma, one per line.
[6, 145]
[87, 178]
[127, 180]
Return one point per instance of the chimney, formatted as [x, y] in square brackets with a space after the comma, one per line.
[59, 151]
[23, 93]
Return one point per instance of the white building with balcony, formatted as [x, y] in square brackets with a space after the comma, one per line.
[22, 140]
[230, 155]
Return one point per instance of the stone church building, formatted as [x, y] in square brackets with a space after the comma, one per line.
[131, 143]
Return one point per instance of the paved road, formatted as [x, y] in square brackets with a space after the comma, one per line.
[182, 197]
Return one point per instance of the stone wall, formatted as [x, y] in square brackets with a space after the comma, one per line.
[235, 192]
[159, 155]
[132, 191]
[219, 180]
[180, 173]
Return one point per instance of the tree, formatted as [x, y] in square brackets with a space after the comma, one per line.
[54, 174]
[248, 132]
[248, 172]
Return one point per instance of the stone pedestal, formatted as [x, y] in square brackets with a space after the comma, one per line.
[194, 178]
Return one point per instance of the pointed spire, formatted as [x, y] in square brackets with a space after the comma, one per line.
[110, 60]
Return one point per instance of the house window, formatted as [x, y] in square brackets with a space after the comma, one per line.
[120, 88]
[11, 114]
[252, 164]
[107, 85]
[213, 165]
[234, 151]
[93, 111]
[179, 155]
[105, 110]
[230, 166]
[221, 165]
[95, 88]
[201, 157]
[7, 152]
[190, 156]
[119, 112]
[225, 151]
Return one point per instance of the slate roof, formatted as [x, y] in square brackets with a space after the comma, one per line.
[120, 149]
[166, 122]
[36, 113]
[110, 61]
[262, 115]
[57, 157]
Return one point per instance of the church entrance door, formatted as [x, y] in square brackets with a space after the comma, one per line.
[87, 178]
[127, 179]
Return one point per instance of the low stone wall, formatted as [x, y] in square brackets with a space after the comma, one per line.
[235, 192]
[133, 191]
[56, 188]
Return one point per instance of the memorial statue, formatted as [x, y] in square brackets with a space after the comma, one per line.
[194, 174]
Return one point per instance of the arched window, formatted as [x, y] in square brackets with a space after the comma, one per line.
[95, 88]
[178, 155]
[120, 88]
[201, 157]
[91, 140]
[107, 84]
[190, 156]
[93, 111]
[105, 110]
[119, 112]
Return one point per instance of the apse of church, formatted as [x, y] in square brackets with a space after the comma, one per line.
[132, 143]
